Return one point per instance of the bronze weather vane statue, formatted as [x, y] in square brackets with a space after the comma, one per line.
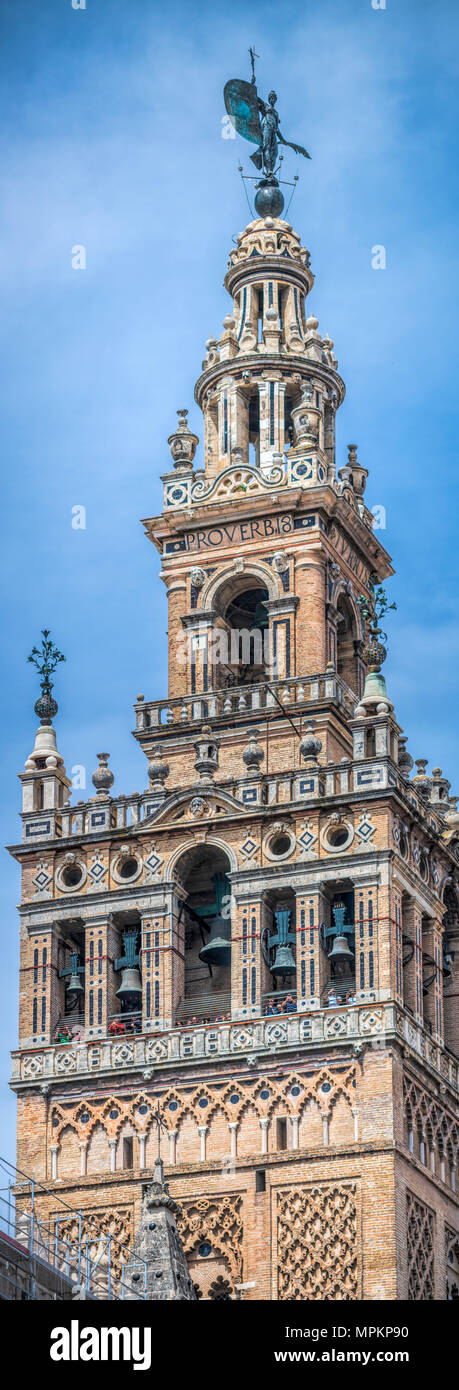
[259, 122]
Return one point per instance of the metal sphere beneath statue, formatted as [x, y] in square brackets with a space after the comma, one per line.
[269, 200]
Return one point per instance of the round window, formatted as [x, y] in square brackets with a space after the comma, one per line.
[403, 847]
[71, 875]
[335, 838]
[424, 868]
[205, 1249]
[280, 844]
[338, 837]
[128, 868]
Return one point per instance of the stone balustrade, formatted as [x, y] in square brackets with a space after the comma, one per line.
[102, 814]
[228, 703]
[359, 1025]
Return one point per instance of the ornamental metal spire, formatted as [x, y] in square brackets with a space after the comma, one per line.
[374, 652]
[45, 662]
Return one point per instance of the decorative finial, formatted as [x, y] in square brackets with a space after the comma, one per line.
[310, 746]
[45, 662]
[206, 761]
[182, 442]
[405, 760]
[158, 770]
[252, 754]
[103, 778]
[355, 476]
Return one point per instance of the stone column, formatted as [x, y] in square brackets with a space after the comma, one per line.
[197, 634]
[159, 964]
[112, 1147]
[142, 1143]
[172, 1145]
[325, 1119]
[271, 394]
[282, 636]
[367, 962]
[312, 965]
[102, 946]
[238, 407]
[264, 1126]
[295, 1122]
[43, 999]
[432, 947]
[203, 1131]
[412, 929]
[311, 648]
[54, 1154]
[397, 945]
[233, 1127]
[83, 1147]
[246, 972]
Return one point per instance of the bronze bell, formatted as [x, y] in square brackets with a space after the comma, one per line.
[341, 950]
[130, 983]
[284, 962]
[217, 950]
[73, 975]
[74, 983]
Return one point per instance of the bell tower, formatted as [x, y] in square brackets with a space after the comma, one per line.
[263, 941]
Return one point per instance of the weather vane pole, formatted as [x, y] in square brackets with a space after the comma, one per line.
[253, 55]
[159, 1126]
[259, 122]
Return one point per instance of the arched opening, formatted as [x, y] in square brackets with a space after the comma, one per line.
[204, 915]
[279, 986]
[346, 654]
[125, 998]
[342, 942]
[240, 647]
[254, 429]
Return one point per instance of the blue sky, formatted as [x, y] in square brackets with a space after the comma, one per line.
[111, 121]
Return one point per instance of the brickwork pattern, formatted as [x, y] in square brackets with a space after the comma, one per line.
[420, 1236]
[318, 1243]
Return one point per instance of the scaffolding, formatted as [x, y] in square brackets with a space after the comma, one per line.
[68, 1255]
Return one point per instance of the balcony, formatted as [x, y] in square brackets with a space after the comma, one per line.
[239, 700]
[353, 1025]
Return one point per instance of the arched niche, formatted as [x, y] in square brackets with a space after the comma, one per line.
[240, 644]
